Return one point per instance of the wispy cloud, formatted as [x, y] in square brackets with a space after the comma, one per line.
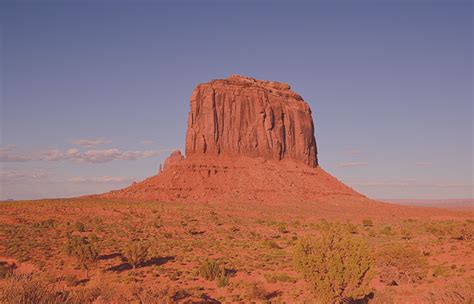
[410, 183]
[87, 143]
[91, 156]
[100, 179]
[146, 142]
[10, 154]
[16, 176]
[102, 156]
[352, 164]
[8, 176]
[424, 164]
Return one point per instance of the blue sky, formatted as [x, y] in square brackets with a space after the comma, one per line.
[94, 93]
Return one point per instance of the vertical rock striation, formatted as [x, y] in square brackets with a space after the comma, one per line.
[242, 116]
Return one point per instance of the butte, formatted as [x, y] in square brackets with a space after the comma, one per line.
[247, 140]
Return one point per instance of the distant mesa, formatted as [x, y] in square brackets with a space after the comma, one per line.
[247, 140]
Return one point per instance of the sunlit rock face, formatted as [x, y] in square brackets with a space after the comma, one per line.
[242, 116]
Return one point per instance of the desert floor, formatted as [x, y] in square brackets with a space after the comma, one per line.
[253, 244]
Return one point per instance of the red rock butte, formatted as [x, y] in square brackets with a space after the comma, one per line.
[242, 116]
[247, 140]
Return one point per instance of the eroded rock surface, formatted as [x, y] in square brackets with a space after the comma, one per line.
[248, 117]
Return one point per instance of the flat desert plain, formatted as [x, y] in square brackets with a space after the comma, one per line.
[163, 252]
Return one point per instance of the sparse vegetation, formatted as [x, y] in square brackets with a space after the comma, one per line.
[26, 290]
[40, 238]
[336, 265]
[80, 227]
[282, 228]
[136, 252]
[399, 263]
[278, 277]
[6, 270]
[367, 223]
[222, 280]
[255, 291]
[85, 252]
[210, 270]
[455, 292]
[387, 230]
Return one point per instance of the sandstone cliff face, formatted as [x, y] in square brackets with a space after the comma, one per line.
[241, 116]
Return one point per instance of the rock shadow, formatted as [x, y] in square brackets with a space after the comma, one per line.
[157, 261]
[206, 299]
[153, 261]
[110, 256]
[273, 294]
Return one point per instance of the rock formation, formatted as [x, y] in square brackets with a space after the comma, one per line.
[247, 141]
[171, 160]
[242, 116]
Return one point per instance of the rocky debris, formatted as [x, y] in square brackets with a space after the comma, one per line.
[243, 179]
[242, 116]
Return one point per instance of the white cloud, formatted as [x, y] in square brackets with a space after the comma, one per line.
[51, 155]
[10, 154]
[87, 143]
[101, 156]
[352, 164]
[410, 183]
[8, 176]
[72, 152]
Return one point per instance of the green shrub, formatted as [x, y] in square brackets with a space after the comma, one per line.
[406, 234]
[398, 263]
[282, 228]
[94, 238]
[49, 223]
[452, 229]
[367, 223]
[210, 270]
[222, 281]
[85, 251]
[351, 228]
[136, 252]
[440, 271]
[79, 227]
[337, 265]
[278, 277]
[387, 230]
[6, 270]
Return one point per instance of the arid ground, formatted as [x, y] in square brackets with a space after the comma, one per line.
[224, 253]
